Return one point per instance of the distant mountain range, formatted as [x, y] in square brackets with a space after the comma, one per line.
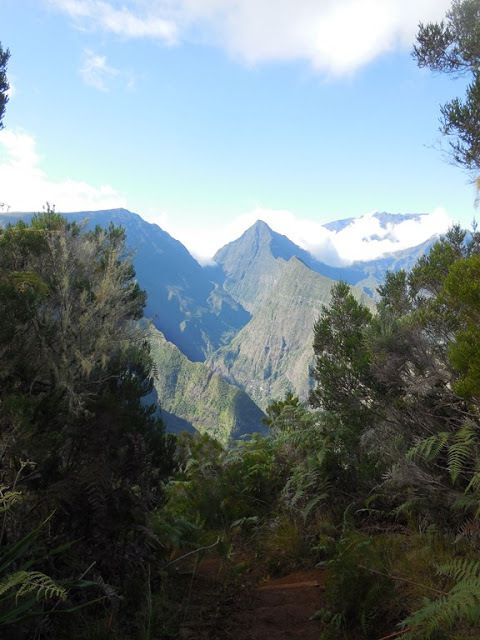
[386, 220]
[229, 338]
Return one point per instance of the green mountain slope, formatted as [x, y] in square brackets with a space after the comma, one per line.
[190, 394]
[272, 353]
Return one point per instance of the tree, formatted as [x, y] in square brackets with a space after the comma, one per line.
[344, 389]
[74, 373]
[461, 293]
[453, 47]
[342, 361]
[4, 86]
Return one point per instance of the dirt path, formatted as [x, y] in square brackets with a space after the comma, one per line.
[276, 609]
[282, 608]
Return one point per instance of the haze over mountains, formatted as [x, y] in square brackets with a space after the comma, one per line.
[229, 338]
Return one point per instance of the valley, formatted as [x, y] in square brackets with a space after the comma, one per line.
[228, 339]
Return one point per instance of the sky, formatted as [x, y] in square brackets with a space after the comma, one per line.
[205, 115]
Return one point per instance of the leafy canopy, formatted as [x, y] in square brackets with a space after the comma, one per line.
[453, 46]
[4, 86]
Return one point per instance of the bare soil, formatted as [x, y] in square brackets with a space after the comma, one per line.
[225, 608]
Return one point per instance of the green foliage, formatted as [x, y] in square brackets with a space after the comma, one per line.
[453, 46]
[261, 491]
[461, 449]
[217, 488]
[281, 544]
[461, 292]
[74, 371]
[401, 393]
[28, 582]
[4, 86]
[23, 591]
[342, 361]
[458, 609]
[429, 448]
[345, 388]
[359, 594]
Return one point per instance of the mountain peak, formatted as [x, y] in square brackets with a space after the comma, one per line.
[260, 225]
[259, 230]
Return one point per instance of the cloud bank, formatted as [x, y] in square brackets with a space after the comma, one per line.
[364, 239]
[335, 36]
[24, 185]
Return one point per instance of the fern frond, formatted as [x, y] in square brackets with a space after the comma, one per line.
[461, 605]
[28, 582]
[429, 448]
[474, 484]
[8, 498]
[469, 530]
[461, 450]
[460, 569]
[43, 586]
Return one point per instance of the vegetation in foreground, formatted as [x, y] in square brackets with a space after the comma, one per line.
[380, 482]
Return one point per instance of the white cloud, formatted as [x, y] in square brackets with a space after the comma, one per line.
[366, 239]
[363, 239]
[26, 187]
[96, 72]
[119, 20]
[334, 36]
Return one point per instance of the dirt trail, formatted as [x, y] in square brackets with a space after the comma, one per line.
[276, 609]
[282, 608]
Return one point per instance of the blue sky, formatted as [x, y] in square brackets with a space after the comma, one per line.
[204, 114]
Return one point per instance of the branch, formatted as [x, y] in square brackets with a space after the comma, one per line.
[400, 579]
[190, 553]
[396, 634]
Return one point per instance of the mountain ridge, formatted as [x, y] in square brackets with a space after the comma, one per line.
[250, 266]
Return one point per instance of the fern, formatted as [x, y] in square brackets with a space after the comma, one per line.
[8, 498]
[461, 450]
[28, 582]
[460, 569]
[474, 484]
[461, 605]
[469, 530]
[429, 448]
